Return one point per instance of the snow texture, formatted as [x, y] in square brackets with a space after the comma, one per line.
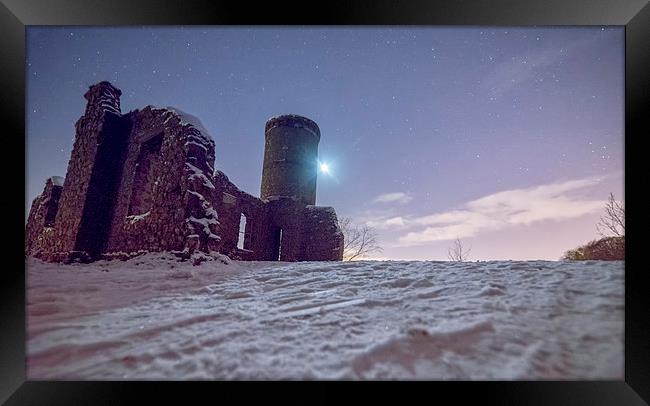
[278, 197]
[137, 217]
[57, 180]
[109, 101]
[154, 317]
[188, 119]
[197, 173]
[205, 223]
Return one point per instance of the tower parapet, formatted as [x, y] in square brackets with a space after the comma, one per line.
[293, 120]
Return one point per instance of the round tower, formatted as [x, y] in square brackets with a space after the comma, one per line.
[290, 158]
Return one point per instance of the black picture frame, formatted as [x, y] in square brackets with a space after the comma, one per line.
[15, 15]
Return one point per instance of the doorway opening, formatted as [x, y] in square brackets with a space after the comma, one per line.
[277, 244]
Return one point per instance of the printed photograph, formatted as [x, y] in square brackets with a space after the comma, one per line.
[325, 203]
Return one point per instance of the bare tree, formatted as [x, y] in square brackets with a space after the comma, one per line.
[457, 252]
[613, 223]
[358, 240]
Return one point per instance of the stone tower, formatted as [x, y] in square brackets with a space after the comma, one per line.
[290, 159]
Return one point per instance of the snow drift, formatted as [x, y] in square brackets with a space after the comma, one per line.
[153, 317]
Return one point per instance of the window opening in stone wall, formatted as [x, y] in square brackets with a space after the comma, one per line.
[143, 183]
[242, 231]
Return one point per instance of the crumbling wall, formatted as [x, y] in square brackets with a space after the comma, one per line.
[102, 191]
[166, 192]
[287, 229]
[40, 222]
[231, 203]
[76, 204]
[324, 241]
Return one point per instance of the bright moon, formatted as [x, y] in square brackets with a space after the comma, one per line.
[325, 168]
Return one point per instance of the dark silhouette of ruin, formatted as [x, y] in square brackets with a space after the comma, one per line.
[145, 181]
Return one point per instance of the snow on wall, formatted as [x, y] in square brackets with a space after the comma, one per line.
[181, 215]
[137, 217]
[105, 97]
[57, 180]
[190, 120]
[196, 173]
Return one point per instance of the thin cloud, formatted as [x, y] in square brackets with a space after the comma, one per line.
[496, 211]
[397, 197]
[390, 222]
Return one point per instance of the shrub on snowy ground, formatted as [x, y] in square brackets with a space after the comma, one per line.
[605, 249]
[612, 228]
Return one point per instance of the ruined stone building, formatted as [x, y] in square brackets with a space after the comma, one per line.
[145, 181]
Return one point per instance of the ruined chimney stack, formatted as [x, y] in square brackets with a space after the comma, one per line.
[103, 97]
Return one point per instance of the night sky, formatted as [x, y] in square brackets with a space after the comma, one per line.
[509, 138]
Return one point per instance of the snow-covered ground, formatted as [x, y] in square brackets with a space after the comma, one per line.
[153, 317]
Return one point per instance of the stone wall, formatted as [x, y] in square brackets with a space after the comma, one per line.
[102, 192]
[231, 203]
[165, 196]
[42, 215]
[287, 229]
[325, 241]
[102, 112]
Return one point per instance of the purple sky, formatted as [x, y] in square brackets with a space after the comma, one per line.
[509, 138]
